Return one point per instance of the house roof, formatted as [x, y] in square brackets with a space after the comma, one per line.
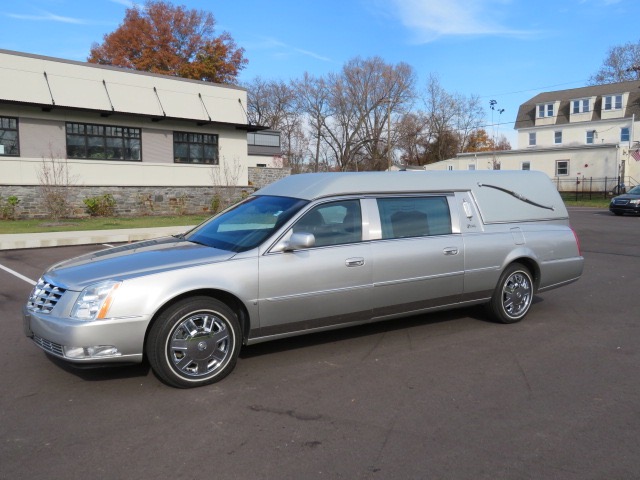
[527, 112]
[52, 83]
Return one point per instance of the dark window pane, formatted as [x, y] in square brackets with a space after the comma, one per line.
[115, 149]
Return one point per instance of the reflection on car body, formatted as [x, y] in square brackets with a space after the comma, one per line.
[308, 253]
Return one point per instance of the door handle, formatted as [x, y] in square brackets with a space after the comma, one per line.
[450, 251]
[354, 262]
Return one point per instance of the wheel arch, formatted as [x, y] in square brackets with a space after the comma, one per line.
[528, 260]
[233, 302]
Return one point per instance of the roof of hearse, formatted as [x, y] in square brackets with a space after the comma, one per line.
[502, 196]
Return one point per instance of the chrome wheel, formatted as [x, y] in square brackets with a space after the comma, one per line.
[200, 344]
[194, 342]
[513, 295]
[516, 295]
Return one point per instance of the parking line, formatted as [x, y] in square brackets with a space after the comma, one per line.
[13, 272]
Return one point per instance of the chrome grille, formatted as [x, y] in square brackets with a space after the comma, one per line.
[49, 346]
[620, 201]
[44, 297]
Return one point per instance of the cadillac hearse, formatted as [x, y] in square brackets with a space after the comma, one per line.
[308, 253]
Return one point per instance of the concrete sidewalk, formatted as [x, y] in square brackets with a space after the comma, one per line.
[58, 239]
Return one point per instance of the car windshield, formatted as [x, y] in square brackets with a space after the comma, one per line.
[635, 190]
[247, 224]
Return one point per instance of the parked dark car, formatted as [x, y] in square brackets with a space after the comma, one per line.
[627, 203]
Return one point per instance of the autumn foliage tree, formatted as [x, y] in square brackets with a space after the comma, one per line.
[171, 40]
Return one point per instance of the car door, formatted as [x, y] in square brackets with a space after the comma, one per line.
[419, 259]
[324, 285]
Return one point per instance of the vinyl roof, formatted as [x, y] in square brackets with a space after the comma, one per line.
[52, 83]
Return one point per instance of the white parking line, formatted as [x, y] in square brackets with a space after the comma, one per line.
[13, 272]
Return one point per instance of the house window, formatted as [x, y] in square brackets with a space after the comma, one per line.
[195, 148]
[557, 137]
[591, 135]
[545, 110]
[9, 136]
[624, 134]
[613, 102]
[532, 139]
[526, 165]
[472, 166]
[103, 142]
[450, 167]
[562, 167]
[264, 139]
[581, 106]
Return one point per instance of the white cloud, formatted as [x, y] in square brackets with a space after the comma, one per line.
[283, 50]
[126, 3]
[431, 19]
[48, 17]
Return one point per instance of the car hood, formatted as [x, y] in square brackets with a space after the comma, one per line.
[133, 260]
[627, 196]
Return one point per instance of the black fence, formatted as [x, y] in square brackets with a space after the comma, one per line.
[580, 188]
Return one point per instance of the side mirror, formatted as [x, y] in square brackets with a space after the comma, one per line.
[300, 240]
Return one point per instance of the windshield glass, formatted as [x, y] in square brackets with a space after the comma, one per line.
[247, 224]
[635, 190]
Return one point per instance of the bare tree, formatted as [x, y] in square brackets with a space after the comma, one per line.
[621, 64]
[312, 100]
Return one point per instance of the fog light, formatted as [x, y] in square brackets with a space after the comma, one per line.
[91, 352]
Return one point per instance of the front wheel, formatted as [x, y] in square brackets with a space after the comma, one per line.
[194, 342]
[513, 295]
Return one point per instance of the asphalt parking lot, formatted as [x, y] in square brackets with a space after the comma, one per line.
[447, 395]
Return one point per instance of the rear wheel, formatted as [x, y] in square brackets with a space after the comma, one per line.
[194, 342]
[513, 295]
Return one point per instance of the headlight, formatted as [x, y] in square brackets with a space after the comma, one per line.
[635, 202]
[94, 301]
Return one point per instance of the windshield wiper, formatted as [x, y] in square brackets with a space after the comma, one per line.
[518, 196]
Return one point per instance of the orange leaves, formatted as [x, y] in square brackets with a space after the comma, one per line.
[162, 38]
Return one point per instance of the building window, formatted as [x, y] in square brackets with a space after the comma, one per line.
[562, 167]
[264, 139]
[581, 106]
[591, 135]
[526, 165]
[195, 148]
[557, 137]
[613, 102]
[9, 136]
[545, 110]
[450, 167]
[532, 139]
[624, 134]
[103, 142]
[472, 166]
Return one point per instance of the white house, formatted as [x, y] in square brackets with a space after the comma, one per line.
[590, 132]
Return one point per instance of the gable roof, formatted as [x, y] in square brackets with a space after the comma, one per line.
[527, 112]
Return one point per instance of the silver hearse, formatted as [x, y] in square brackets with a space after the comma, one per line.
[308, 253]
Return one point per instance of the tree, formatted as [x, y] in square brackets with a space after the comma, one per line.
[479, 141]
[162, 38]
[621, 64]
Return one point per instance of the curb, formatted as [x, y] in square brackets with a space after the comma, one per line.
[89, 237]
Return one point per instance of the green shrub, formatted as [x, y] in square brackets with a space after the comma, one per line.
[101, 206]
[8, 207]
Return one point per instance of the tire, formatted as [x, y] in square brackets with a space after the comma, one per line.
[194, 342]
[512, 298]
[617, 213]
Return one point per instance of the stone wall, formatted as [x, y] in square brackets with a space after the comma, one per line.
[135, 201]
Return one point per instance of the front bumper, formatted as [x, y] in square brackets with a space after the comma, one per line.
[118, 340]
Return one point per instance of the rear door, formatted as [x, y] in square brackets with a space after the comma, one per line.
[419, 259]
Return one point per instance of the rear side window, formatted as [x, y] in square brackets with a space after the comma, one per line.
[414, 216]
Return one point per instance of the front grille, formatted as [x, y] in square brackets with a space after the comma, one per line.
[49, 346]
[620, 202]
[44, 297]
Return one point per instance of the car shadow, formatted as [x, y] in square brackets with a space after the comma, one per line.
[97, 373]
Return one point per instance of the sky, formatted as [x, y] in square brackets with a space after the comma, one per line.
[502, 50]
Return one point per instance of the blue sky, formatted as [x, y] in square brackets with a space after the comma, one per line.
[505, 50]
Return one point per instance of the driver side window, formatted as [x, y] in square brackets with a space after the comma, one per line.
[333, 223]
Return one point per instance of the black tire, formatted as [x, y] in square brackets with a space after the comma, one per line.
[194, 342]
[512, 298]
